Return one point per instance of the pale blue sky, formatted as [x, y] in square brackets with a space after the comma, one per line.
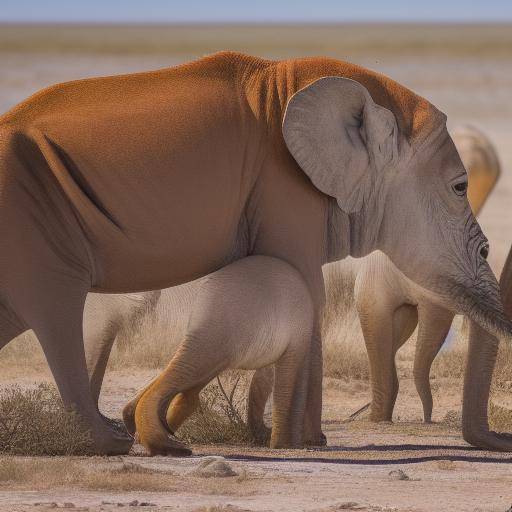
[253, 11]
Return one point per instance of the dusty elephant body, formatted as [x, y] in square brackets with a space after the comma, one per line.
[146, 181]
[248, 315]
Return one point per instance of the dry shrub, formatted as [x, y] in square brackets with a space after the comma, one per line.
[220, 416]
[34, 422]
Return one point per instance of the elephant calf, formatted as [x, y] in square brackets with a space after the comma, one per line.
[248, 315]
[390, 305]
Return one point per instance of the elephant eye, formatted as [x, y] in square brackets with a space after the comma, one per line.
[460, 188]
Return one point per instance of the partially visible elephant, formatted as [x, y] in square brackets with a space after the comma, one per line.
[151, 180]
[253, 313]
[483, 349]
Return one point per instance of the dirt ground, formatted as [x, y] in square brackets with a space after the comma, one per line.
[404, 466]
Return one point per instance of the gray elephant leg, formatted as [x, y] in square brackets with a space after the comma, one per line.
[55, 314]
[433, 326]
[385, 331]
[313, 435]
[98, 346]
[260, 390]
[289, 401]
[104, 318]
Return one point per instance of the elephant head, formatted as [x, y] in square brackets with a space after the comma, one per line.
[405, 195]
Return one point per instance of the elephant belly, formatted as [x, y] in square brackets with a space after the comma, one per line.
[260, 353]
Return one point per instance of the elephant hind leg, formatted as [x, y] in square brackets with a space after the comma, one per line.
[434, 324]
[385, 331]
[259, 392]
[182, 407]
[185, 372]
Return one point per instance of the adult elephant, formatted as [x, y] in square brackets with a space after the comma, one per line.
[389, 304]
[146, 181]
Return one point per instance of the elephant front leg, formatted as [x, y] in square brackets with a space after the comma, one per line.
[313, 435]
[55, 313]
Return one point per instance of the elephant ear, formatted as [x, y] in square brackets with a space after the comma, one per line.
[340, 138]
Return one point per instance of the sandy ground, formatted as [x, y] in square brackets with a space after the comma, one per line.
[404, 466]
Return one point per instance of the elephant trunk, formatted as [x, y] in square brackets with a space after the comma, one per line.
[483, 348]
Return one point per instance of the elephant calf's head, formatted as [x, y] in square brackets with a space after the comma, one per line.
[406, 196]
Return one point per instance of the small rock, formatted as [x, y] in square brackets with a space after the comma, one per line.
[348, 505]
[134, 503]
[146, 504]
[398, 474]
[214, 467]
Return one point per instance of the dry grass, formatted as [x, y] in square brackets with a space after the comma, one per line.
[67, 472]
[220, 418]
[34, 422]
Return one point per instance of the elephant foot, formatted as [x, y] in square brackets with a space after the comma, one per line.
[281, 442]
[489, 440]
[110, 438]
[166, 446]
[318, 439]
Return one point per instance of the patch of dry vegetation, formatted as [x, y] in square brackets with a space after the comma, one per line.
[34, 422]
[220, 418]
[65, 472]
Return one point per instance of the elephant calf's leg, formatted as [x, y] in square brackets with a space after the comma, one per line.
[259, 392]
[289, 402]
[182, 407]
[185, 372]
